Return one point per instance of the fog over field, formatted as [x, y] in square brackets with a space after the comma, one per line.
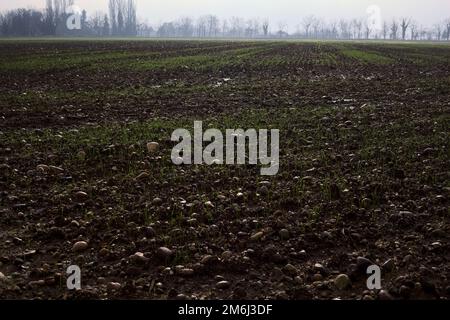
[323, 19]
[290, 11]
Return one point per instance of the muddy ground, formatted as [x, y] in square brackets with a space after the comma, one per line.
[363, 180]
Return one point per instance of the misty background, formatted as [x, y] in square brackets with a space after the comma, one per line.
[319, 19]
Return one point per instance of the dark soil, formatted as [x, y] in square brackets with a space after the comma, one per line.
[364, 176]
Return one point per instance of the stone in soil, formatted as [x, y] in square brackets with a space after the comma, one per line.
[138, 258]
[223, 285]
[342, 282]
[164, 253]
[257, 236]
[80, 246]
[152, 147]
[284, 234]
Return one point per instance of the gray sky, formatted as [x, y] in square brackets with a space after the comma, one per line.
[426, 12]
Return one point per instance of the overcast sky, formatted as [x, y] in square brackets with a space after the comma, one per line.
[427, 12]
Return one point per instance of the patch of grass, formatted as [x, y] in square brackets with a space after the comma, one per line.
[366, 56]
[106, 60]
[426, 58]
[327, 59]
[63, 61]
[199, 62]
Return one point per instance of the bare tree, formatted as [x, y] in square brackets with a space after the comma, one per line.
[225, 28]
[167, 29]
[307, 23]
[438, 31]
[282, 25]
[413, 30]
[333, 30]
[249, 29]
[144, 29]
[367, 30]
[357, 26]
[404, 25]
[212, 25]
[50, 23]
[447, 27]
[122, 15]
[265, 27]
[55, 15]
[96, 23]
[113, 15]
[257, 27]
[186, 27]
[106, 26]
[130, 18]
[345, 29]
[120, 19]
[385, 30]
[316, 26]
[394, 30]
[202, 27]
[421, 33]
[237, 27]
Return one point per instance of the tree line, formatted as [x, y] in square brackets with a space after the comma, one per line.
[309, 27]
[121, 20]
[52, 20]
